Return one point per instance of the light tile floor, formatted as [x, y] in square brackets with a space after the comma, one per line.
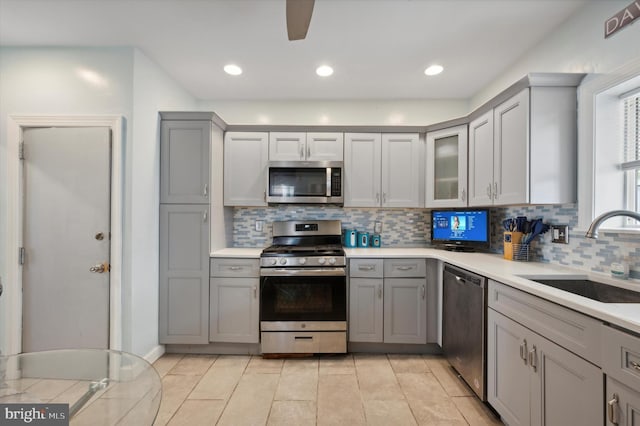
[358, 389]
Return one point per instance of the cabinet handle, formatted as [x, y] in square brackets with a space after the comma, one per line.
[384, 197]
[379, 291]
[205, 192]
[635, 365]
[523, 351]
[489, 192]
[404, 268]
[308, 152]
[423, 292]
[495, 190]
[612, 410]
[365, 267]
[255, 292]
[301, 152]
[264, 196]
[205, 216]
[464, 195]
[533, 358]
[377, 197]
[235, 268]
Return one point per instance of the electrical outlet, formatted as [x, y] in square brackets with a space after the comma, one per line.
[377, 227]
[560, 234]
[259, 225]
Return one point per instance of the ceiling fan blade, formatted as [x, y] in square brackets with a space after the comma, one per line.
[298, 18]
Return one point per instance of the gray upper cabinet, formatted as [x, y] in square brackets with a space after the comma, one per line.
[184, 161]
[523, 151]
[301, 146]
[246, 155]
[383, 170]
[446, 170]
[362, 169]
[184, 274]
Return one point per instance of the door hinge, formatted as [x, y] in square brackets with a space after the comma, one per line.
[21, 151]
[21, 255]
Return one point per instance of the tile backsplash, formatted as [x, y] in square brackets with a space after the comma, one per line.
[400, 227]
[411, 228]
[581, 252]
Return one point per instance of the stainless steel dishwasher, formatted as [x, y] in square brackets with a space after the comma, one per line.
[464, 312]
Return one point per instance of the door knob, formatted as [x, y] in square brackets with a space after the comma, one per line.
[100, 268]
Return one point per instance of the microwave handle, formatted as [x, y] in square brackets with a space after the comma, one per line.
[328, 191]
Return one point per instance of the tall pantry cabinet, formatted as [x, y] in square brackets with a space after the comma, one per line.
[185, 200]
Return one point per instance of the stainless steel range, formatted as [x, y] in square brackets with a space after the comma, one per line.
[303, 289]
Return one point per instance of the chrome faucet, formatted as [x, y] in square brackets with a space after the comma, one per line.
[593, 229]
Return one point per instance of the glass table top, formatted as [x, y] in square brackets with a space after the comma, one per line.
[101, 387]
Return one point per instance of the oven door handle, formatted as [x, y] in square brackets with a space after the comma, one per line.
[302, 272]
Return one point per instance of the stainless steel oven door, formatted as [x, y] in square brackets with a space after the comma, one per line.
[303, 295]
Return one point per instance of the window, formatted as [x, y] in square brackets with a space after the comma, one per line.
[631, 136]
[608, 146]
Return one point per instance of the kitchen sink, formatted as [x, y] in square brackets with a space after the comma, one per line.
[593, 290]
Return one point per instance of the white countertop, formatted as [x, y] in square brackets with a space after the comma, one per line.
[238, 252]
[493, 266]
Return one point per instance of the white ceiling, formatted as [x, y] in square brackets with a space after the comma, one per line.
[378, 48]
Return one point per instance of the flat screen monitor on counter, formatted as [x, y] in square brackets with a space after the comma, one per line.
[461, 229]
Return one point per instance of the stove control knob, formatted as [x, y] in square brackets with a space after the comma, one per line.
[274, 261]
[283, 261]
[332, 261]
[322, 260]
[302, 260]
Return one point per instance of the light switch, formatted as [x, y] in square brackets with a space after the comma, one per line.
[377, 227]
[560, 234]
[259, 225]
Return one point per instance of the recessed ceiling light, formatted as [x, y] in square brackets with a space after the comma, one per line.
[232, 69]
[324, 71]
[434, 70]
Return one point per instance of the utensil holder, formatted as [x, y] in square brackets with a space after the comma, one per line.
[510, 239]
[521, 252]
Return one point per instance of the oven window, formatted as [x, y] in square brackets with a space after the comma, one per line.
[300, 182]
[303, 299]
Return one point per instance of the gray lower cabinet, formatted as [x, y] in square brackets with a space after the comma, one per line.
[366, 309]
[405, 308]
[623, 404]
[388, 301]
[184, 274]
[234, 303]
[621, 364]
[532, 380]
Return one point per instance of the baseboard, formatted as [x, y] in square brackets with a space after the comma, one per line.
[155, 353]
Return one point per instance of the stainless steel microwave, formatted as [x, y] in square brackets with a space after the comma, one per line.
[305, 182]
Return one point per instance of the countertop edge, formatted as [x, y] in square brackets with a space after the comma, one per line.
[513, 274]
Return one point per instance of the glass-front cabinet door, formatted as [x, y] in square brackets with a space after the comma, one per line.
[446, 172]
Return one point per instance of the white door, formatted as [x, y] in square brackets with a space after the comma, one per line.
[66, 193]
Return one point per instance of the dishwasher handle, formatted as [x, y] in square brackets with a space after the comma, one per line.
[465, 277]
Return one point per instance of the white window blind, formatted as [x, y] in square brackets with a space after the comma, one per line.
[631, 105]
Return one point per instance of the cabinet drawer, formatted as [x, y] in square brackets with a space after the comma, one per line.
[574, 331]
[222, 267]
[403, 268]
[365, 268]
[304, 342]
[621, 356]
